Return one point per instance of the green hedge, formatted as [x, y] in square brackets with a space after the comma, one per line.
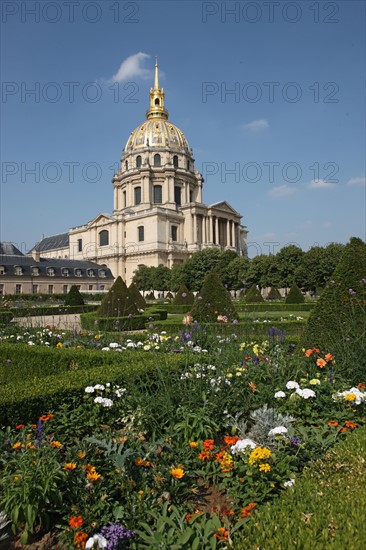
[175, 308]
[247, 329]
[89, 321]
[5, 316]
[39, 378]
[323, 510]
[51, 310]
[161, 314]
[275, 306]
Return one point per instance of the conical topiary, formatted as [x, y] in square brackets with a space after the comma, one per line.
[338, 322]
[73, 297]
[169, 296]
[118, 302]
[150, 296]
[273, 294]
[183, 296]
[253, 295]
[137, 296]
[213, 301]
[295, 296]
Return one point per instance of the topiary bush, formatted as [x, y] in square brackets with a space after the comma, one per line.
[274, 294]
[295, 296]
[213, 301]
[253, 295]
[150, 296]
[73, 297]
[338, 322]
[183, 296]
[118, 302]
[137, 296]
[169, 296]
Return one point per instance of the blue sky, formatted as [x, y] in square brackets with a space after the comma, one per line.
[270, 96]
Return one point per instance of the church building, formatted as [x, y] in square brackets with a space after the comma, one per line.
[158, 215]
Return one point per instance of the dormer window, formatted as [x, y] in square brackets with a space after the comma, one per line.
[102, 273]
[50, 272]
[18, 270]
[35, 271]
[78, 273]
[91, 273]
[65, 272]
[2, 270]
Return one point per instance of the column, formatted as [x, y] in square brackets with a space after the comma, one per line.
[217, 230]
[227, 232]
[232, 233]
[194, 228]
[204, 229]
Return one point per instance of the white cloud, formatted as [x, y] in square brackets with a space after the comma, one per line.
[257, 125]
[132, 67]
[282, 191]
[321, 184]
[357, 181]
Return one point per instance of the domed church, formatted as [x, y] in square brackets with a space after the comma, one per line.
[158, 216]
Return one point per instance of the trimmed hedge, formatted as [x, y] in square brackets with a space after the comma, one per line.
[323, 510]
[241, 328]
[5, 317]
[51, 310]
[275, 306]
[73, 297]
[295, 296]
[173, 308]
[90, 321]
[161, 314]
[252, 295]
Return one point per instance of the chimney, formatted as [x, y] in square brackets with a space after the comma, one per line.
[36, 255]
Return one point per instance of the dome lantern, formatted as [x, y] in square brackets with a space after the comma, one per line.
[157, 109]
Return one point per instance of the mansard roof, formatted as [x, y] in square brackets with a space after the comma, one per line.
[9, 249]
[59, 266]
[54, 242]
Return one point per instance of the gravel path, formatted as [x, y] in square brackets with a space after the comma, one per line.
[70, 322]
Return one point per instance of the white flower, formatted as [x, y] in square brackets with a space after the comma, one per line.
[120, 392]
[147, 347]
[96, 541]
[30, 343]
[305, 393]
[89, 389]
[107, 402]
[131, 345]
[277, 431]
[279, 394]
[114, 345]
[99, 387]
[289, 483]
[291, 385]
[105, 349]
[242, 444]
[358, 396]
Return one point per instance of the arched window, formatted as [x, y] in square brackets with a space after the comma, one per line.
[126, 164]
[137, 192]
[138, 161]
[157, 160]
[175, 161]
[104, 238]
[177, 195]
[141, 233]
[157, 102]
[188, 165]
[158, 194]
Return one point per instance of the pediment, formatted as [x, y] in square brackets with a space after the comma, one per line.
[224, 206]
[100, 220]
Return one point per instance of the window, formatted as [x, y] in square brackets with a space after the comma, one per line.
[157, 160]
[80, 245]
[101, 287]
[141, 233]
[188, 165]
[18, 289]
[18, 270]
[174, 232]
[104, 238]
[65, 272]
[78, 272]
[158, 194]
[34, 289]
[126, 164]
[137, 191]
[65, 289]
[175, 161]
[50, 289]
[177, 195]
[191, 196]
[91, 273]
[138, 161]
[90, 287]
[157, 102]
[1, 290]
[124, 199]
[2, 270]
[50, 272]
[102, 273]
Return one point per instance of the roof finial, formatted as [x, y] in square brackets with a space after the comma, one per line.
[156, 83]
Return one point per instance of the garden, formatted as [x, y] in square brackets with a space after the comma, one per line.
[205, 423]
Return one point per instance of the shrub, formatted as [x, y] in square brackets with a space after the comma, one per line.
[73, 297]
[5, 317]
[137, 296]
[213, 301]
[338, 322]
[274, 294]
[295, 296]
[253, 295]
[150, 296]
[169, 296]
[183, 296]
[112, 324]
[118, 302]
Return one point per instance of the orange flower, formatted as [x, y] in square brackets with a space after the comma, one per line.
[246, 512]
[226, 512]
[177, 473]
[18, 446]
[328, 357]
[81, 455]
[31, 445]
[252, 386]
[143, 463]
[222, 534]
[188, 517]
[333, 423]
[205, 455]
[351, 425]
[220, 455]
[208, 445]
[317, 350]
[231, 439]
[193, 444]
[93, 476]
[19, 427]
[361, 385]
[76, 521]
[56, 444]
[69, 466]
[46, 417]
[308, 352]
[80, 539]
[321, 363]
[343, 430]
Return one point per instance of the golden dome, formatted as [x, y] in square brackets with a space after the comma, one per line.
[157, 131]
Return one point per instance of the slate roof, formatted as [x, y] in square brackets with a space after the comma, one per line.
[9, 249]
[53, 242]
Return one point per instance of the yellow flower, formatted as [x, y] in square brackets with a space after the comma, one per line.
[93, 476]
[81, 455]
[264, 468]
[238, 373]
[258, 454]
[177, 473]
[314, 381]
[141, 492]
[69, 466]
[350, 397]
[31, 445]
[59, 345]
[18, 446]
[56, 444]
[193, 444]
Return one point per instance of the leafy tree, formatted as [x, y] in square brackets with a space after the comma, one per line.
[73, 297]
[317, 266]
[197, 267]
[143, 278]
[235, 273]
[263, 271]
[118, 302]
[177, 277]
[136, 296]
[160, 277]
[287, 260]
[295, 296]
[213, 301]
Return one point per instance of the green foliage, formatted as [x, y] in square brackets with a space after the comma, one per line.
[37, 311]
[287, 260]
[338, 322]
[322, 510]
[235, 272]
[136, 296]
[272, 307]
[295, 296]
[212, 301]
[253, 295]
[183, 296]
[143, 278]
[73, 297]
[150, 296]
[262, 271]
[169, 296]
[197, 267]
[317, 266]
[5, 317]
[90, 321]
[273, 294]
[118, 302]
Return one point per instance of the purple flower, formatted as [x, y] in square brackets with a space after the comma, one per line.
[151, 325]
[295, 441]
[199, 297]
[114, 533]
[351, 292]
[235, 322]
[184, 294]
[129, 315]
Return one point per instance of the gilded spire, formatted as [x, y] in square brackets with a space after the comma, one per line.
[157, 109]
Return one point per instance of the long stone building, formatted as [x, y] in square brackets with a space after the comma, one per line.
[158, 215]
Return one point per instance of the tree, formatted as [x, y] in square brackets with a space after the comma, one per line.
[197, 267]
[118, 302]
[295, 296]
[73, 297]
[317, 266]
[234, 275]
[143, 278]
[177, 277]
[287, 260]
[262, 271]
[253, 295]
[160, 277]
[213, 301]
[273, 294]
